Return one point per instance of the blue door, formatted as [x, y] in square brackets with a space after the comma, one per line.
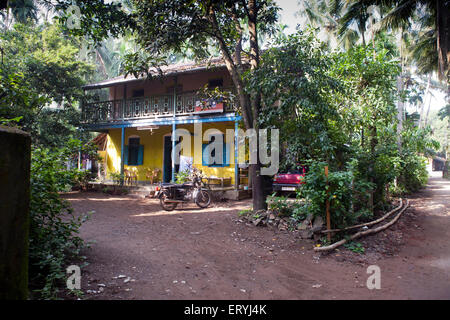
[167, 166]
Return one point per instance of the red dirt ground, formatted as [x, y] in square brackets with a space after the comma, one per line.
[209, 254]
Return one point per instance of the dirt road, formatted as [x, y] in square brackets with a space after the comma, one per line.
[210, 254]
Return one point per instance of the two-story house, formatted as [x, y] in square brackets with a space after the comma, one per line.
[142, 114]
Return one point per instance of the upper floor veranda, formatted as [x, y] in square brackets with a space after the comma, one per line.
[177, 93]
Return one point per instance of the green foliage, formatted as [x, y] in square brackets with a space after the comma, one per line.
[278, 205]
[412, 169]
[116, 177]
[446, 171]
[294, 79]
[342, 108]
[245, 212]
[40, 81]
[356, 247]
[348, 197]
[53, 227]
[182, 176]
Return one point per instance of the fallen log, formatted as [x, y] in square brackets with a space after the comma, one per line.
[368, 223]
[363, 233]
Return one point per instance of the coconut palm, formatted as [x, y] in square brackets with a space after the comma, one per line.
[326, 14]
[433, 18]
[23, 10]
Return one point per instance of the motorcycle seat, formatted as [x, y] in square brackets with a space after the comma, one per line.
[168, 184]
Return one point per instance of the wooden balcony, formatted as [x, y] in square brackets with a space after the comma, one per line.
[160, 106]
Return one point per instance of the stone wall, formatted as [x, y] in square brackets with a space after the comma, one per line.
[15, 150]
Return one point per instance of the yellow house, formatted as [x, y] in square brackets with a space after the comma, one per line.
[142, 116]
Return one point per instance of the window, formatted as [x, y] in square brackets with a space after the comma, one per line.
[134, 152]
[214, 83]
[209, 153]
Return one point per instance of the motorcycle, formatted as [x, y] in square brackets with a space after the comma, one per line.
[171, 194]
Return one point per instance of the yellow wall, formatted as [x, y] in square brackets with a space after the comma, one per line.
[153, 149]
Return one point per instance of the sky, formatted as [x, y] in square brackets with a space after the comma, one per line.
[287, 14]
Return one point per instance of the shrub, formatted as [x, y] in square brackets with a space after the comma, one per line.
[446, 171]
[348, 197]
[53, 227]
[278, 205]
[116, 177]
[414, 174]
[182, 176]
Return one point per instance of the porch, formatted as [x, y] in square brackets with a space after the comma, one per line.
[142, 155]
[143, 190]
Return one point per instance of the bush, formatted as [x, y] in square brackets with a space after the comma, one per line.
[347, 196]
[182, 176]
[446, 171]
[414, 174]
[53, 227]
[278, 205]
[116, 177]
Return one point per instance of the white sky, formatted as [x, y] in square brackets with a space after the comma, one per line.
[287, 14]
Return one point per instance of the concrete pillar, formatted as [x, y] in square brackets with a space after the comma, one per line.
[15, 157]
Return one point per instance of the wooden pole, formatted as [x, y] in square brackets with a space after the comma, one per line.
[327, 203]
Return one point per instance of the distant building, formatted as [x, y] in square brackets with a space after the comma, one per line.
[438, 164]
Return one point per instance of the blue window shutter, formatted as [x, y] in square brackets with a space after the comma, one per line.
[140, 161]
[226, 155]
[205, 155]
[206, 158]
[125, 155]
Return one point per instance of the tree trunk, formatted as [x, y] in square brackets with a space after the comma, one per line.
[400, 104]
[443, 37]
[259, 198]
[422, 109]
[250, 105]
[400, 113]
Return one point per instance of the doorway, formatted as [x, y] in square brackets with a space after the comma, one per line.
[167, 159]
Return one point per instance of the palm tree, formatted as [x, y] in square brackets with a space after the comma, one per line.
[433, 18]
[23, 10]
[327, 15]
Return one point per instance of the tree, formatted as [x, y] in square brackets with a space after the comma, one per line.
[23, 10]
[41, 82]
[294, 79]
[327, 16]
[432, 14]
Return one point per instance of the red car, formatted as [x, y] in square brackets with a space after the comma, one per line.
[289, 181]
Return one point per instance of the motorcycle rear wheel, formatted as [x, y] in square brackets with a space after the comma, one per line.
[203, 199]
[168, 206]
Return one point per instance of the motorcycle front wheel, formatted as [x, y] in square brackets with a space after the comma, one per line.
[203, 199]
[168, 206]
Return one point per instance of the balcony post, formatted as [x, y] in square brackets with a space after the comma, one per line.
[174, 127]
[122, 154]
[124, 102]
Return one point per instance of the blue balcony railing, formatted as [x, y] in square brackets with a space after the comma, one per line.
[143, 108]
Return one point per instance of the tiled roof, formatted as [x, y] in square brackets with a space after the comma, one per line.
[168, 70]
